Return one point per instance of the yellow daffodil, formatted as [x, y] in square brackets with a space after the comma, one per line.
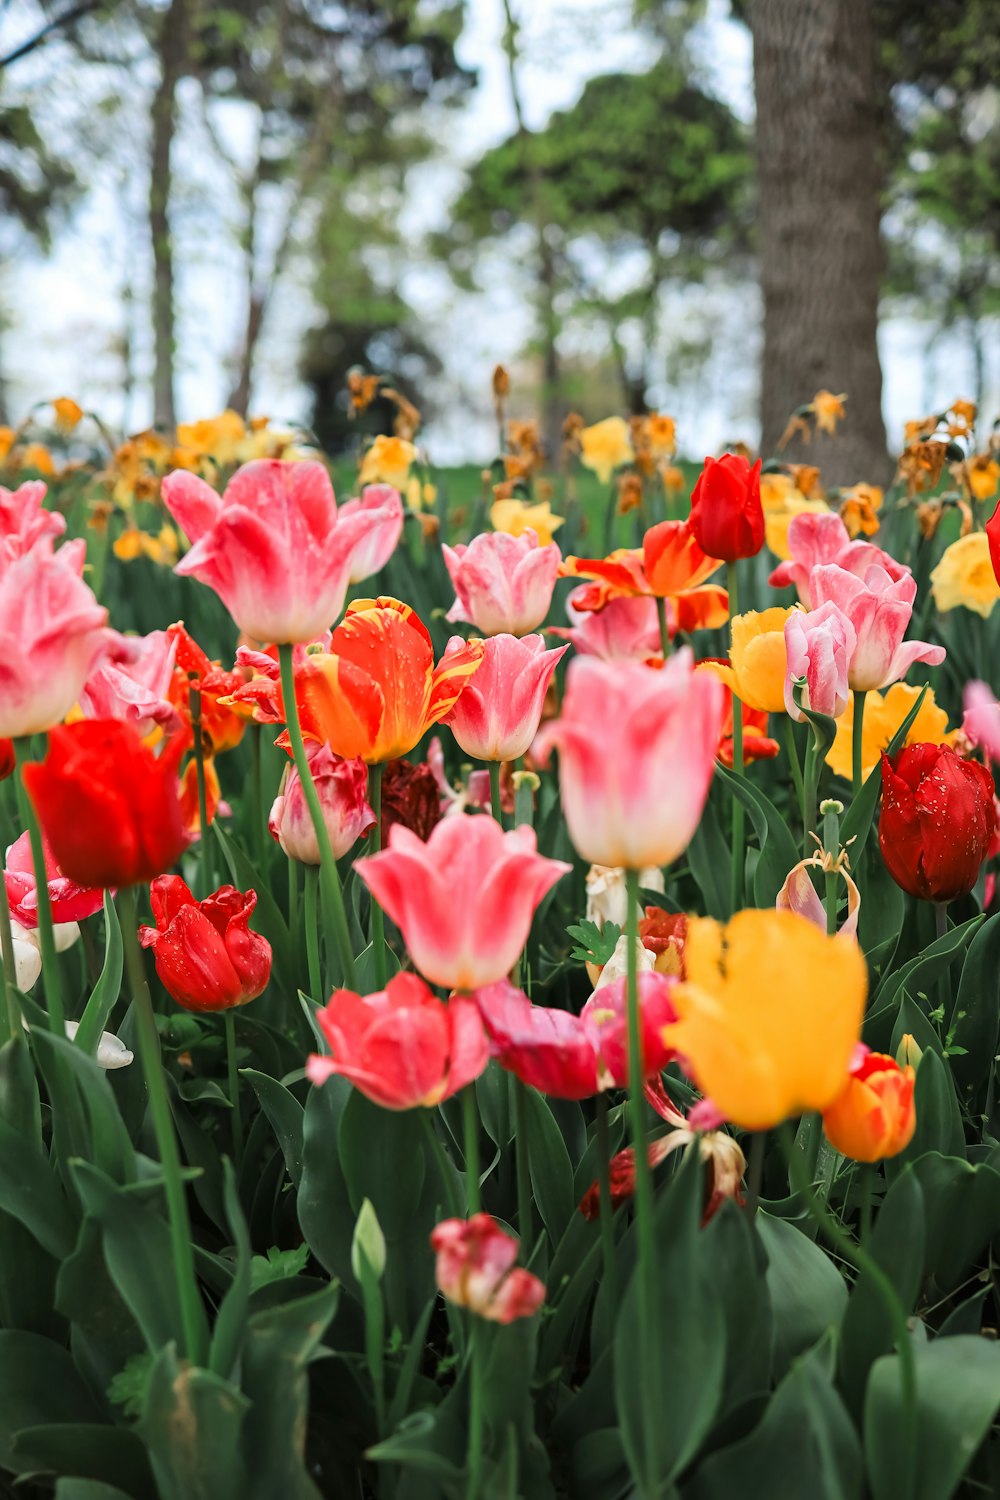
[884, 712]
[36, 456]
[515, 516]
[762, 1042]
[7, 436]
[606, 446]
[134, 542]
[218, 437]
[661, 431]
[828, 410]
[67, 413]
[757, 660]
[859, 507]
[388, 461]
[777, 522]
[965, 576]
[984, 474]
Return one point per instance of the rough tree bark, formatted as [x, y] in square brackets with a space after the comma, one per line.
[173, 57]
[820, 174]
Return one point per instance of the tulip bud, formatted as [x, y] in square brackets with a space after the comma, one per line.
[342, 788]
[368, 1243]
[908, 1054]
[873, 1115]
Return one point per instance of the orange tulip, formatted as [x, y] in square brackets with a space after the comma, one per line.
[873, 1116]
[377, 691]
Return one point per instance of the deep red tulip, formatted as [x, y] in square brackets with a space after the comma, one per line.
[726, 514]
[993, 534]
[108, 806]
[937, 821]
[7, 761]
[206, 956]
[411, 797]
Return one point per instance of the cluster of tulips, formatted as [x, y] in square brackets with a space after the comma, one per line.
[720, 1029]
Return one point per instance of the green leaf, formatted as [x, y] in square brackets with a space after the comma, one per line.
[87, 1122]
[736, 1265]
[278, 1265]
[31, 1191]
[920, 971]
[549, 1165]
[192, 1427]
[688, 1335]
[365, 981]
[939, 1119]
[382, 1154]
[138, 1253]
[280, 1345]
[20, 1106]
[104, 995]
[858, 819]
[102, 1454]
[39, 1384]
[326, 1216]
[594, 945]
[804, 1445]
[897, 1246]
[778, 850]
[88, 1489]
[962, 1212]
[286, 1115]
[958, 1396]
[974, 1024]
[709, 858]
[230, 1323]
[808, 1294]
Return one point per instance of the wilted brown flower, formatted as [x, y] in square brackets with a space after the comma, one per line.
[362, 389]
[929, 513]
[410, 797]
[921, 465]
[828, 410]
[629, 492]
[501, 382]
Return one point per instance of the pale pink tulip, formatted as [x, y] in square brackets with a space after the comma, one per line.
[272, 547]
[69, 902]
[637, 749]
[475, 1269]
[463, 900]
[51, 632]
[383, 507]
[982, 718]
[131, 680]
[24, 519]
[816, 539]
[503, 584]
[800, 895]
[624, 630]
[498, 712]
[342, 786]
[879, 608]
[819, 646]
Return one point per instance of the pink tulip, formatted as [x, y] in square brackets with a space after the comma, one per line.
[498, 712]
[24, 519]
[982, 718]
[70, 902]
[503, 584]
[272, 547]
[879, 608]
[798, 894]
[463, 900]
[342, 786]
[475, 1269]
[51, 632]
[637, 749]
[575, 1057]
[817, 539]
[625, 629]
[819, 646]
[383, 507]
[402, 1046]
[131, 680]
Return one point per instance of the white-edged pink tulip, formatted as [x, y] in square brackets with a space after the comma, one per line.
[503, 584]
[879, 608]
[819, 646]
[499, 710]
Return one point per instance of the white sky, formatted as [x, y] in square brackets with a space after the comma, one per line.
[67, 316]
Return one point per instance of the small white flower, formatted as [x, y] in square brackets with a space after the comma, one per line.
[617, 965]
[606, 895]
[111, 1050]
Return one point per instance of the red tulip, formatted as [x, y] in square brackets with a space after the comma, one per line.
[401, 1046]
[69, 901]
[108, 806]
[993, 533]
[7, 761]
[726, 514]
[937, 821]
[206, 956]
[475, 1269]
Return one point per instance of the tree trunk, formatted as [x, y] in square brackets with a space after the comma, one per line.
[820, 174]
[173, 54]
[552, 402]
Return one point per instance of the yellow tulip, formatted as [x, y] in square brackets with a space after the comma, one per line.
[218, 437]
[761, 1041]
[984, 473]
[884, 712]
[606, 446]
[388, 461]
[777, 521]
[758, 660]
[515, 517]
[965, 576]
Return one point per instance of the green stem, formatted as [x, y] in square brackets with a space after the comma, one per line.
[470, 1123]
[192, 1310]
[521, 1166]
[661, 617]
[646, 1270]
[606, 1207]
[811, 786]
[10, 1012]
[794, 763]
[293, 895]
[857, 740]
[258, 816]
[50, 959]
[755, 1171]
[865, 1186]
[234, 1088]
[334, 911]
[310, 919]
[444, 1165]
[859, 1257]
[377, 920]
[496, 799]
[205, 837]
[475, 1448]
[739, 813]
[831, 811]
